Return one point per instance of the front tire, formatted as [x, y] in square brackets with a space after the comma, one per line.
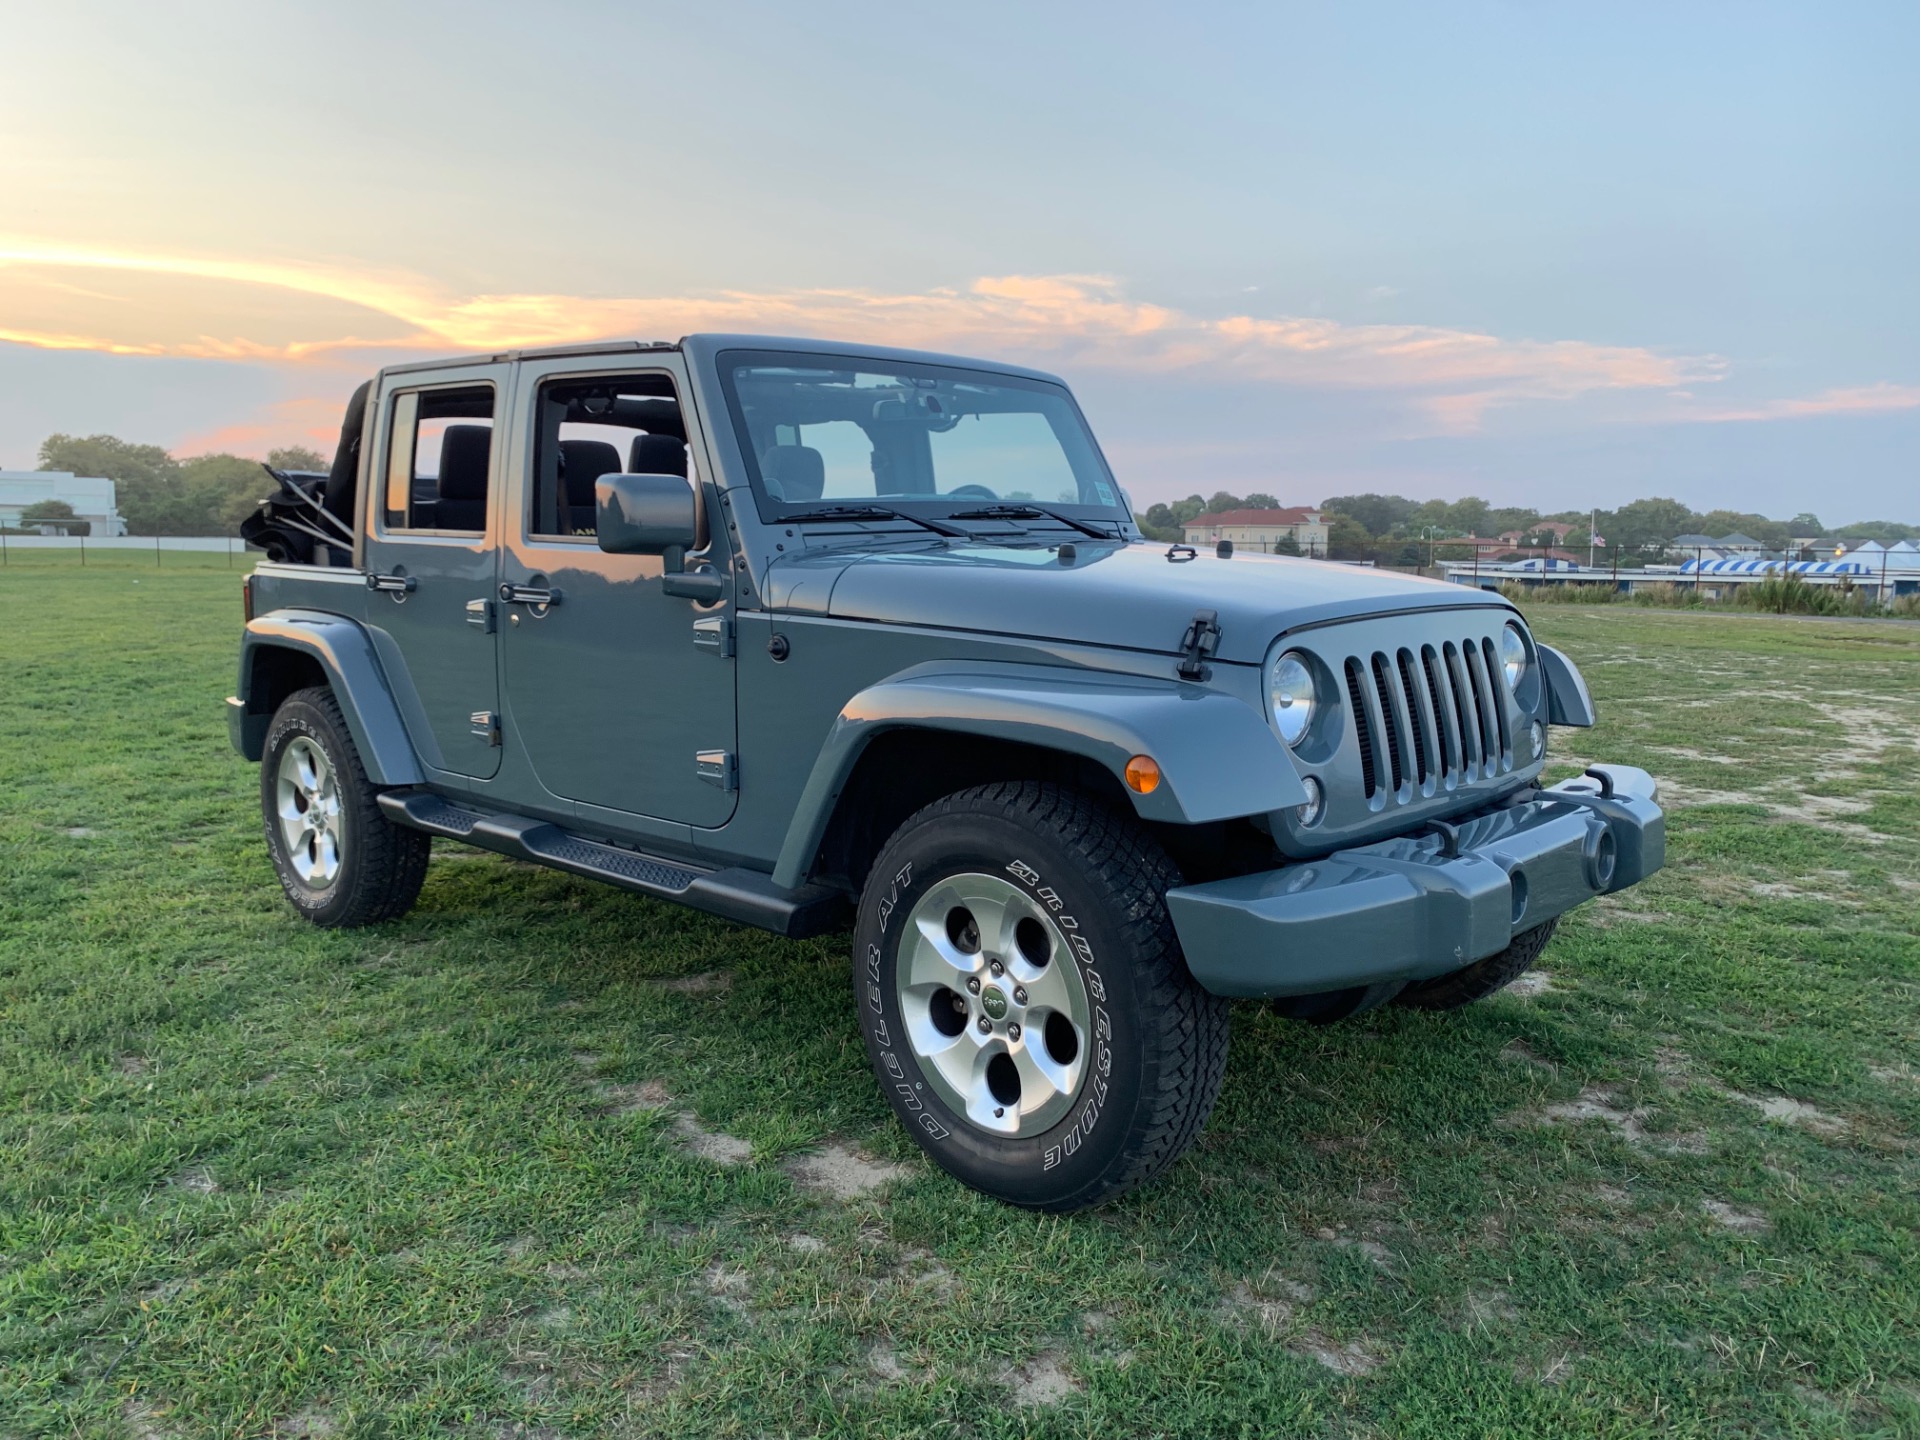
[341, 862]
[1024, 1000]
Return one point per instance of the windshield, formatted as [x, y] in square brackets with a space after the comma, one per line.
[819, 431]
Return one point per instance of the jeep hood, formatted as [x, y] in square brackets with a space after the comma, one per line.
[1129, 596]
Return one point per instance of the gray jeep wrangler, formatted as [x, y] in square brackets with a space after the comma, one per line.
[808, 635]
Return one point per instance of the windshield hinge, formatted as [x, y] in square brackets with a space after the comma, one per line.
[714, 633]
[1200, 641]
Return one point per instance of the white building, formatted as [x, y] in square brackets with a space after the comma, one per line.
[1262, 530]
[91, 497]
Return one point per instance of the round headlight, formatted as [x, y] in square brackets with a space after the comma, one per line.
[1290, 690]
[1513, 655]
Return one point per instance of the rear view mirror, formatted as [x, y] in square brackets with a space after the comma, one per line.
[644, 514]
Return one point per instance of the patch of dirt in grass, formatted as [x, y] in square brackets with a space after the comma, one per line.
[730, 1286]
[144, 1421]
[1043, 1380]
[714, 1145]
[133, 1065]
[920, 1267]
[312, 1423]
[806, 1244]
[1745, 1222]
[842, 1173]
[710, 982]
[1553, 1372]
[1356, 1357]
[197, 1180]
[79, 832]
[1270, 1312]
[1532, 983]
[1484, 1307]
[1893, 1074]
[1520, 1050]
[884, 1363]
[1792, 1112]
[632, 1099]
[1593, 1104]
[1612, 1196]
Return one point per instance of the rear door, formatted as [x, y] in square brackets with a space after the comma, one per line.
[622, 695]
[431, 527]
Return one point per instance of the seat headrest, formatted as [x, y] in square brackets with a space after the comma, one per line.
[464, 451]
[581, 463]
[657, 455]
[796, 472]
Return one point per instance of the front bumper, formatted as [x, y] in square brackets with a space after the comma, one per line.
[1425, 904]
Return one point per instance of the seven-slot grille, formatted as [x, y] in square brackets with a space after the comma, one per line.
[1428, 718]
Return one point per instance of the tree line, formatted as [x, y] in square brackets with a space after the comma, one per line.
[1398, 531]
[159, 494]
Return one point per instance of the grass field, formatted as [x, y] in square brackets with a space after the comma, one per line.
[547, 1160]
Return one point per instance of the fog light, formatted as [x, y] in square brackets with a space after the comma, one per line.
[1315, 806]
[1537, 733]
[1143, 775]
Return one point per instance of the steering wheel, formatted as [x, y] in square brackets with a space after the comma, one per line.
[972, 492]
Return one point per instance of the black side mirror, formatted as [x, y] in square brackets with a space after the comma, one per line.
[656, 515]
[644, 514]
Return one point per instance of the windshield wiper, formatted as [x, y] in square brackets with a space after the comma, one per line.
[876, 512]
[1024, 511]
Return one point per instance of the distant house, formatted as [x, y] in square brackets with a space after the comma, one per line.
[1264, 530]
[91, 496]
[1709, 547]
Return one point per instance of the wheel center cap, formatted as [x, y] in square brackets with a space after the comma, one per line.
[993, 1000]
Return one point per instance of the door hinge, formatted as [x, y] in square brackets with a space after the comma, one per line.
[716, 767]
[715, 633]
[480, 615]
[486, 725]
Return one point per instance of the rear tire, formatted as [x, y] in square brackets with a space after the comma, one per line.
[1483, 977]
[1100, 1058]
[341, 862]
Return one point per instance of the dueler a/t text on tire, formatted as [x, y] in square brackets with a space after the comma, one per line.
[1024, 999]
[340, 861]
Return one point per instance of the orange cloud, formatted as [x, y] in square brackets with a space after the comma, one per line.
[293, 312]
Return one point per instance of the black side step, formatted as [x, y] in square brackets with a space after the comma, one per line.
[734, 893]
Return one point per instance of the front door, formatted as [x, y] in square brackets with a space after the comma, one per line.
[622, 695]
[429, 554]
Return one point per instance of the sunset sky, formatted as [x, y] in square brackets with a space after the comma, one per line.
[1554, 255]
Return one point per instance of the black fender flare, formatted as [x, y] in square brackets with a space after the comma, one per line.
[345, 653]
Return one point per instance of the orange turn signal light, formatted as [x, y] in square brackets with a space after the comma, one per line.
[1143, 775]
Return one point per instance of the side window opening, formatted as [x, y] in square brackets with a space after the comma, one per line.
[439, 456]
[601, 425]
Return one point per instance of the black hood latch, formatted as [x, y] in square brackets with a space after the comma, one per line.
[1200, 641]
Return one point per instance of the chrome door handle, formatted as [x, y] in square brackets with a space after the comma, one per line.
[529, 595]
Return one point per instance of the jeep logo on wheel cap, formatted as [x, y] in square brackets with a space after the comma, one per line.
[993, 1000]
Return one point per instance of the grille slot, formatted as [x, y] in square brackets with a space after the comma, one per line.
[1389, 713]
[1363, 728]
[1416, 714]
[1496, 686]
[1443, 721]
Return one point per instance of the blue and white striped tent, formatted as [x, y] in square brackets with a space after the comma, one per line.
[1775, 567]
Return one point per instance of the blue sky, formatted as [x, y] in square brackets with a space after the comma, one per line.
[1555, 256]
